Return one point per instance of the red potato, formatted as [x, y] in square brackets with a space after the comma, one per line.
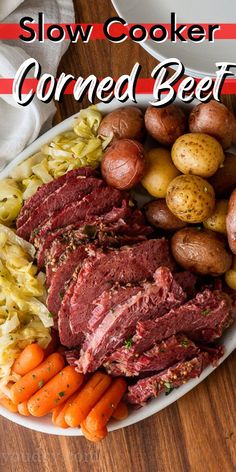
[165, 125]
[123, 165]
[231, 222]
[215, 119]
[123, 123]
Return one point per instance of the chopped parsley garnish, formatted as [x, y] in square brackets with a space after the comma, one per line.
[41, 383]
[206, 312]
[61, 394]
[128, 344]
[184, 343]
[168, 387]
[35, 232]
[50, 315]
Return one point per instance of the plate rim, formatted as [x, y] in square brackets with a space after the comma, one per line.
[158, 404]
[149, 49]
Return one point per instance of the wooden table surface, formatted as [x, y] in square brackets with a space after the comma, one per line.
[197, 433]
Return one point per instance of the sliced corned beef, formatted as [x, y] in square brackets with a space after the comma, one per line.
[98, 202]
[174, 377]
[45, 190]
[59, 274]
[152, 299]
[202, 319]
[187, 281]
[72, 191]
[63, 275]
[159, 357]
[108, 300]
[67, 338]
[44, 243]
[127, 265]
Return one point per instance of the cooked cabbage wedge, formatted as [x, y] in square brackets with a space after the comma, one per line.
[24, 317]
[11, 199]
[70, 150]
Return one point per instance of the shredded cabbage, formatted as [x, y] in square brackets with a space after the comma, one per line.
[11, 200]
[76, 148]
[24, 317]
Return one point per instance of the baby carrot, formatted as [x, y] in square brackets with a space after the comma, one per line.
[94, 436]
[55, 392]
[121, 412]
[87, 398]
[103, 410]
[58, 414]
[23, 409]
[28, 359]
[8, 404]
[30, 383]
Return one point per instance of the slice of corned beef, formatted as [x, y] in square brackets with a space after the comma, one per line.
[111, 234]
[98, 202]
[108, 300]
[45, 190]
[188, 282]
[119, 293]
[127, 265]
[203, 319]
[159, 357]
[43, 244]
[152, 299]
[67, 338]
[72, 191]
[63, 275]
[174, 377]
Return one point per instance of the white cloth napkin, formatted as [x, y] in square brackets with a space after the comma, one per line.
[19, 126]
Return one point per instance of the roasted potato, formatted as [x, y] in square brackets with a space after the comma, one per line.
[217, 221]
[159, 215]
[215, 119]
[197, 154]
[123, 164]
[201, 251]
[160, 171]
[231, 222]
[190, 198]
[230, 275]
[224, 181]
[123, 123]
[165, 125]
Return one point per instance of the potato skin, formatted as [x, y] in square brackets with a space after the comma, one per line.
[230, 275]
[231, 222]
[215, 119]
[224, 181]
[159, 215]
[160, 171]
[165, 125]
[198, 154]
[123, 123]
[202, 252]
[217, 221]
[123, 164]
[190, 198]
